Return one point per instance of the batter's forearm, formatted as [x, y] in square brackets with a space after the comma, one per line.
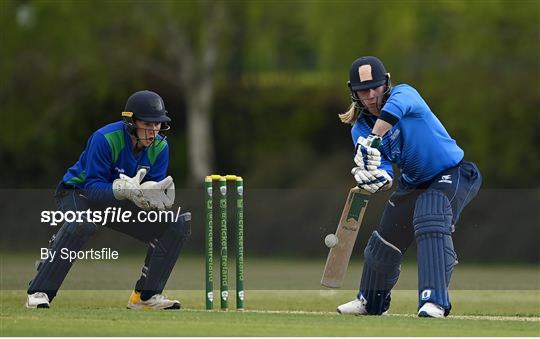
[381, 127]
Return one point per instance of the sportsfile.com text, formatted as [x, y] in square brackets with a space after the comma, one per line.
[109, 215]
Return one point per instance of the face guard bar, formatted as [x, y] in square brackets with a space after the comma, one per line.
[131, 127]
[360, 105]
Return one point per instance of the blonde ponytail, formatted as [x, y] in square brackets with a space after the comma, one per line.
[350, 116]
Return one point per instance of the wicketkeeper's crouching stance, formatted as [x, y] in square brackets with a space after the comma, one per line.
[123, 165]
[395, 125]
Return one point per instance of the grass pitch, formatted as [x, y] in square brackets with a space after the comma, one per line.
[283, 298]
[269, 313]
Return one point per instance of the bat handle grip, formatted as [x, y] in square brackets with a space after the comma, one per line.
[376, 143]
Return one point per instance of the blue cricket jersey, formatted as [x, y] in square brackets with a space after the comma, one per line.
[108, 153]
[418, 143]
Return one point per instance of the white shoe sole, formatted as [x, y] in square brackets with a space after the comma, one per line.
[427, 311]
[423, 314]
[173, 306]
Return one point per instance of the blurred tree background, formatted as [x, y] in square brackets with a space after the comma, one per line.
[254, 88]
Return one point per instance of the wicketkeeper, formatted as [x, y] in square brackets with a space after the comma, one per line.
[395, 125]
[123, 165]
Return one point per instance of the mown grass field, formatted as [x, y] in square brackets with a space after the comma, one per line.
[270, 313]
[282, 299]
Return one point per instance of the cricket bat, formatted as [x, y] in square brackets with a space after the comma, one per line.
[347, 230]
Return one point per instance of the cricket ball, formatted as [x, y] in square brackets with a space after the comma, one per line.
[331, 240]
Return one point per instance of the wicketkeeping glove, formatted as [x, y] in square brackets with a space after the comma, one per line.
[159, 195]
[372, 181]
[367, 156]
[130, 188]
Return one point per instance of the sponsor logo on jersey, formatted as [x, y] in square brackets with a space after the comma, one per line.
[119, 170]
[446, 179]
[395, 134]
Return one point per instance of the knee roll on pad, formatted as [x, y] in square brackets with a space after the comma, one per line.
[177, 232]
[436, 257]
[432, 213]
[183, 225]
[380, 273]
[164, 254]
[50, 275]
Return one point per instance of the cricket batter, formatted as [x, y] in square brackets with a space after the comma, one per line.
[123, 165]
[395, 125]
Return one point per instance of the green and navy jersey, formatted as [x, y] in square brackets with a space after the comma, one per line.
[417, 143]
[108, 154]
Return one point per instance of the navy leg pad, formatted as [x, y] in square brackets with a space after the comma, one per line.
[436, 257]
[50, 275]
[380, 273]
[163, 256]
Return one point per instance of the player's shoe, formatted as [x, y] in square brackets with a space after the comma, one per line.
[37, 300]
[156, 302]
[431, 310]
[355, 307]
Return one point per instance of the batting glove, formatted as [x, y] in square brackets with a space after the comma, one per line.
[367, 156]
[372, 181]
